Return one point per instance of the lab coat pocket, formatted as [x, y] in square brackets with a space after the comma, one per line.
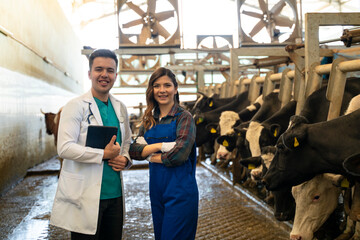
[71, 187]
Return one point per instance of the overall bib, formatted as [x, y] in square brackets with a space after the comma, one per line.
[173, 191]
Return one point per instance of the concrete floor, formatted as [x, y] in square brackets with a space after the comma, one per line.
[224, 211]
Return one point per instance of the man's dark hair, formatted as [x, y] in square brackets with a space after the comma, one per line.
[106, 53]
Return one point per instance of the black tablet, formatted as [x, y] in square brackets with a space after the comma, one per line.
[99, 136]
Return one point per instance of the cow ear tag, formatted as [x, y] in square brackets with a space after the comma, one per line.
[345, 183]
[296, 142]
[213, 130]
[251, 166]
[211, 104]
[275, 132]
[225, 143]
[200, 120]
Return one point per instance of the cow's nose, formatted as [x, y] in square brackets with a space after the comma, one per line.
[295, 237]
[222, 155]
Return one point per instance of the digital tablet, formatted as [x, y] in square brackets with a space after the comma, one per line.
[99, 136]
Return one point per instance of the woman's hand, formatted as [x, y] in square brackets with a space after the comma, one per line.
[167, 146]
[141, 140]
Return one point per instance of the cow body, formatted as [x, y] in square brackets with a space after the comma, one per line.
[52, 125]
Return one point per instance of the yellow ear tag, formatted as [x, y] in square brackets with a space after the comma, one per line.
[213, 130]
[225, 143]
[275, 132]
[211, 104]
[345, 183]
[239, 134]
[296, 143]
[200, 120]
[251, 166]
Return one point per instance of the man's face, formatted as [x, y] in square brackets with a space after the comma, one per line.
[102, 75]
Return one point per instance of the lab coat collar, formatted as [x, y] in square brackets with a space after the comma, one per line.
[89, 98]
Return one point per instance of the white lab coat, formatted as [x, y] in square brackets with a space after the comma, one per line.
[76, 203]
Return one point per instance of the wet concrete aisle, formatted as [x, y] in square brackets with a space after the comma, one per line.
[223, 212]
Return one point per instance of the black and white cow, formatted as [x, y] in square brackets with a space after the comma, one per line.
[264, 134]
[269, 106]
[305, 150]
[300, 158]
[315, 110]
[229, 119]
[202, 119]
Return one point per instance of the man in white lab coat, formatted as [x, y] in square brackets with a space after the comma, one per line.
[89, 198]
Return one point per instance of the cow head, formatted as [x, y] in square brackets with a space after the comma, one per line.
[259, 165]
[227, 120]
[49, 122]
[259, 136]
[201, 135]
[315, 200]
[52, 123]
[204, 103]
[294, 161]
[206, 130]
[284, 204]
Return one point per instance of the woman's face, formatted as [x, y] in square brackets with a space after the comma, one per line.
[164, 91]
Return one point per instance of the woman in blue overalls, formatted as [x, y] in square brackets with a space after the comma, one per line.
[167, 139]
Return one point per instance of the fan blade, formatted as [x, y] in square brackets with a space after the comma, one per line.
[151, 6]
[214, 43]
[123, 83]
[161, 30]
[210, 55]
[224, 57]
[130, 59]
[202, 46]
[135, 8]
[144, 35]
[257, 28]
[143, 61]
[276, 9]
[132, 23]
[283, 21]
[137, 79]
[162, 16]
[151, 57]
[252, 14]
[263, 6]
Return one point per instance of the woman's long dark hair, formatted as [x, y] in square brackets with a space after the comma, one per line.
[148, 118]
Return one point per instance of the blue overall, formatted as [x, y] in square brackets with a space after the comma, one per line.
[173, 191]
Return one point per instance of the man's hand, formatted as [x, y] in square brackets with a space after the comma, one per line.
[118, 163]
[112, 150]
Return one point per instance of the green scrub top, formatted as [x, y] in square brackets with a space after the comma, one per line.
[111, 182]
